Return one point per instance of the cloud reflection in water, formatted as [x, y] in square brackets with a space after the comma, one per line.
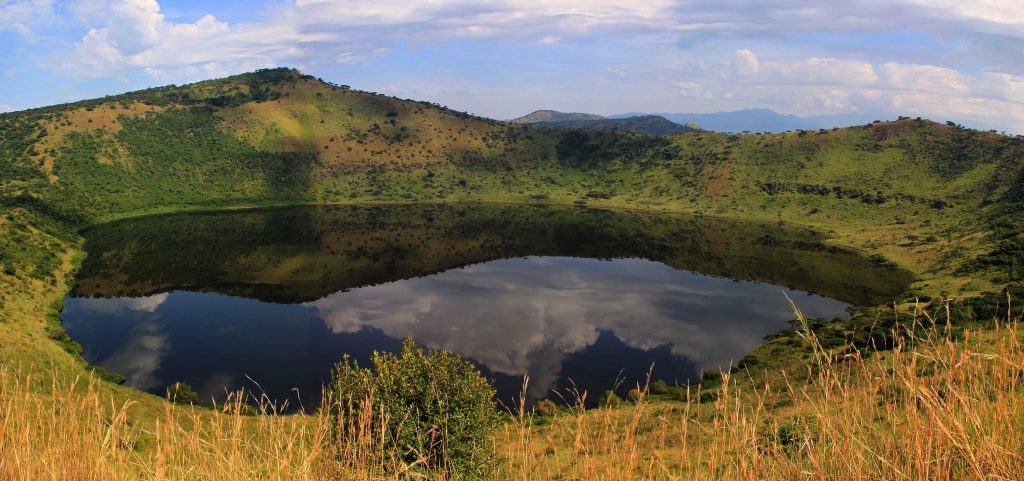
[141, 352]
[555, 318]
[520, 316]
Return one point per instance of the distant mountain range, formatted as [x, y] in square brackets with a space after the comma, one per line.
[667, 123]
[641, 124]
[758, 120]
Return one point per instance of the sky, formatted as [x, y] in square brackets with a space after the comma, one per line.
[957, 60]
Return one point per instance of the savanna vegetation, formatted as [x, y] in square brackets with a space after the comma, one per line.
[902, 390]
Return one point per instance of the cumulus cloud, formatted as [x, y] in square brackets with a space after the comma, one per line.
[137, 36]
[526, 316]
[5, 108]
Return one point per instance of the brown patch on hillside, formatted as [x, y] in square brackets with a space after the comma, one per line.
[718, 181]
[102, 119]
[886, 130]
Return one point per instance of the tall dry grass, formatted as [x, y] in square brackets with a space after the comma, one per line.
[936, 407]
[77, 432]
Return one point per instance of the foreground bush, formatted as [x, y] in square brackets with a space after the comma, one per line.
[431, 410]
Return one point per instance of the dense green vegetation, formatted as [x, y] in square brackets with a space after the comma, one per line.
[209, 166]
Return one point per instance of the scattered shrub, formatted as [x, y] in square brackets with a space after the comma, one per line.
[182, 393]
[659, 388]
[429, 407]
[609, 398]
[546, 407]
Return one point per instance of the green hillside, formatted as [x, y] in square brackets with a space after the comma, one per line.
[641, 124]
[940, 200]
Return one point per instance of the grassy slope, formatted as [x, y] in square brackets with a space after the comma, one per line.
[934, 198]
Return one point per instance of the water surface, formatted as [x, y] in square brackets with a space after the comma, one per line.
[270, 299]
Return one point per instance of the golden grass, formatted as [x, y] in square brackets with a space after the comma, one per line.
[933, 408]
[936, 407]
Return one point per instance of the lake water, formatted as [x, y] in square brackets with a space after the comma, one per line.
[268, 300]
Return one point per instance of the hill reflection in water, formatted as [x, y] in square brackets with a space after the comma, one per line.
[569, 296]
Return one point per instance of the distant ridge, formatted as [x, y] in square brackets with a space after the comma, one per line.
[637, 124]
[642, 124]
[758, 120]
[554, 116]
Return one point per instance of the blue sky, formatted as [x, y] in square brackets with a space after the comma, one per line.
[942, 59]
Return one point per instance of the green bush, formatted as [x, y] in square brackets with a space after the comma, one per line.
[609, 398]
[546, 407]
[659, 388]
[430, 407]
[182, 393]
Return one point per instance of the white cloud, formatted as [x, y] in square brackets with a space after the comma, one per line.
[137, 37]
[1008, 14]
[926, 79]
[5, 108]
[807, 71]
[826, 71]
[745, 63]
[693, 90]
[18, 15]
